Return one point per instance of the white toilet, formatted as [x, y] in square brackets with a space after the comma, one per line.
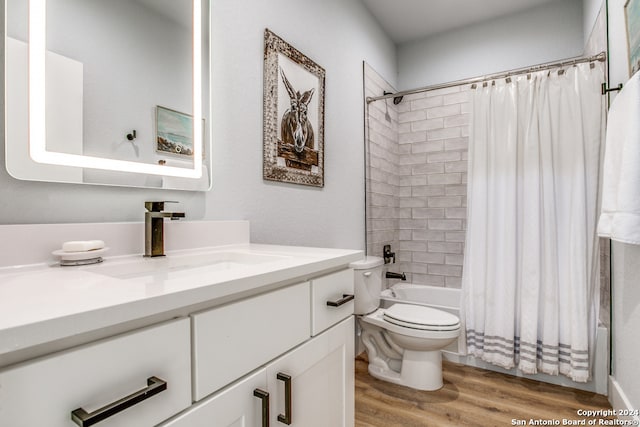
[404, 341]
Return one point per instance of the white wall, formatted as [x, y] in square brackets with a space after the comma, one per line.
[545, 33]
[625, 272]
[591, 9]
[338, 35]
[626, 323]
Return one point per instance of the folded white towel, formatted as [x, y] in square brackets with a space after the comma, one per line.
[82, 245]
[620, 217]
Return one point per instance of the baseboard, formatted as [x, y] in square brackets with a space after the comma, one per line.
[620, 402]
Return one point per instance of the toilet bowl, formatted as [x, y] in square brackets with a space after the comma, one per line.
[403, 342]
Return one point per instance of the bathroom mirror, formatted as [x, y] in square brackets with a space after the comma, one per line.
[108, 92]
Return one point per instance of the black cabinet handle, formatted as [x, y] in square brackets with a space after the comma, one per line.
[345, 299]
[286, 418]
[264, 397]
[154, 386]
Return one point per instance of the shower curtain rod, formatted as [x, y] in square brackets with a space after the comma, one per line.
[602, 56]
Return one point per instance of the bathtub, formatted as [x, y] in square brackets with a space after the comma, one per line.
[448, 299]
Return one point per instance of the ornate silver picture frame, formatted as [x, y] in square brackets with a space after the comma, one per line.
[294, 88]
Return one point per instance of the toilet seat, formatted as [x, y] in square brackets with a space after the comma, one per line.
[421, 317]
[377, 318]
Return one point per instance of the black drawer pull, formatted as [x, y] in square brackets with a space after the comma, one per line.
[345, 299]
[286, 418]
[264, 397]
[154, 386]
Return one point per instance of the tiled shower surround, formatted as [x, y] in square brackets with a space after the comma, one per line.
[433, 138]
[416, 180]
[416, 158]
[381, 172]
[416, 163]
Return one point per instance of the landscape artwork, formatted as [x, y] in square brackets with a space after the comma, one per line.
[174, 132]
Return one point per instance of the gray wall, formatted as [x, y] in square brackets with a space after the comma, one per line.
[542, 34]
[338, 35]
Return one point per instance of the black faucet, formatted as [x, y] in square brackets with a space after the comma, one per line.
[154, 227]
[390, 275]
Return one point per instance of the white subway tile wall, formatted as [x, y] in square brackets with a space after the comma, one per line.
[435, 127]
[416, 155]
[382, 164]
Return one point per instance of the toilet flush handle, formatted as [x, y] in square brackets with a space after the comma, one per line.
[367, 274]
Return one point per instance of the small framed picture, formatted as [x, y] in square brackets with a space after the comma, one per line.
[632, 17]
[294, 88]
[174, 132]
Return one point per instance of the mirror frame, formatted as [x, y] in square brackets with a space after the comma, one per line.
[37, 113]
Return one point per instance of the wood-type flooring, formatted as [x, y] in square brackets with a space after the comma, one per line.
[472, 397]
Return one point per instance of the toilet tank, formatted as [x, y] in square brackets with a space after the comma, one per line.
[368, 284]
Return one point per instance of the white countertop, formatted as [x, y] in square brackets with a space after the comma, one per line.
[43, 303]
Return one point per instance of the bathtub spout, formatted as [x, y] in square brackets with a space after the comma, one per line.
[391, 275]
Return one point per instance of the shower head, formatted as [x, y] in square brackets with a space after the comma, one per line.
[387, 117]
[396, 100]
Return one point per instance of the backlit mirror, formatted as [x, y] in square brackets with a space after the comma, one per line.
[112, 92]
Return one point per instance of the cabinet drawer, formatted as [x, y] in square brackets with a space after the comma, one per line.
[44, 392]
[334, 288]
[234, 339]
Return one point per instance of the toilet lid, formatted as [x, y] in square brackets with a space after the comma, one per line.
[421, 317]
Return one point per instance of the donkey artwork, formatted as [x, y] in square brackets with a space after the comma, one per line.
[297, 145]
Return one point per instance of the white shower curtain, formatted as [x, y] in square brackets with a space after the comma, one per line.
[530, 291]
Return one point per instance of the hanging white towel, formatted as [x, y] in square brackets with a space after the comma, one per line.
[620, 217]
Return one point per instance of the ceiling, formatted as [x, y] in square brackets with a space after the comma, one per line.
[408, 20]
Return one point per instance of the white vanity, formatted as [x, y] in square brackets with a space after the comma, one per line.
[225, 335]
[220, 332]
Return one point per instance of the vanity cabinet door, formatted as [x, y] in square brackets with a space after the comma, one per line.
[136, 366]
[240, 404]
[320, 374]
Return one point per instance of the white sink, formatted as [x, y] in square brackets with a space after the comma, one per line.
[209, 261]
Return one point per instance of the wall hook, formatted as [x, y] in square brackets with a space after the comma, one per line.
[131, 136]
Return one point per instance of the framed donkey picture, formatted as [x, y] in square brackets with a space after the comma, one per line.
[294, 89]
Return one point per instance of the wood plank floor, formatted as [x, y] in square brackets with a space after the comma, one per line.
[470, 397]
